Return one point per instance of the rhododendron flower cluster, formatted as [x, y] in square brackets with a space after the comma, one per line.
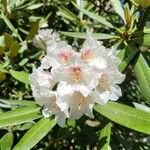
[68, 83]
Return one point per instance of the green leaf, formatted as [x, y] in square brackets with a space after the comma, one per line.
[94, 16]
[2, 44]
[35, 134]
[20, 76]
[2, 49]
[14, 49]
[9, 24]
[121, 55]
[122, 66]
[33, 30]
[15, 103]
[142, 107]
[126, 116]
[2, 76]
[104, 139]
[84, 35]
[35, 6]
[68, 14]
[8, 41]
[146, 41]
[146, 30]
[142, 73]
[118, 8]
[19, 116]
[6, 141]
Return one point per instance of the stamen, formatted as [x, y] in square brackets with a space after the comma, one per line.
[80, 99]
[104, 82]
[76, 73]
[65, 56]
[87, 55]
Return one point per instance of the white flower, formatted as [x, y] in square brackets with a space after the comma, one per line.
[58, 54]
[68, 83]
[96, 55]
[41, 82]
[108, 88]
[76, 102]
[44, 37]
[49, 102]
[82, 77]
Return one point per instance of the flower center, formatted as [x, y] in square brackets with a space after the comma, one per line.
[65, 56]
[76, 73]
[87, 55]
[104, 82]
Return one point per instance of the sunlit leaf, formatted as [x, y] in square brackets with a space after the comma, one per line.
[142, 107]
[118, 8]
[104, 138]
[35, 134]
[19, 116]
[142, 72]
[20, 76]
[126, 116]
[84, 35]
[68, 14]
[6, 141]
[34, 6]
[15, 103]
[127, 61]
[122, 54]
[94, 16]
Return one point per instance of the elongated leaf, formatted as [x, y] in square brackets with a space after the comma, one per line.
[122, 54]
[118, 8]
[142, 72]
[19, 116]
[68, 14]
[146, 41]
[35, 134]
[126, 61]
[105, 137]
[34, 6]
[33, 30]
[15, 103]
[126, 116]
[9, 24]
[6, 141]
[20, 76]
[84, 35]
[96, 17]
[142, 107]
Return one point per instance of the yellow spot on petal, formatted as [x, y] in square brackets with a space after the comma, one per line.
[65, 56]
[87, 55]
[80, 99]
[76, 73]
[104, 82]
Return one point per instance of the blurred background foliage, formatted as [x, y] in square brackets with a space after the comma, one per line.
[123, 28]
